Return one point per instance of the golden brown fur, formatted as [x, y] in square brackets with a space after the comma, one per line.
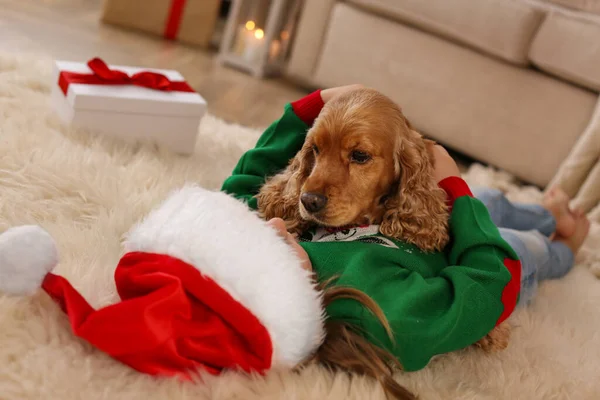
[394, 188]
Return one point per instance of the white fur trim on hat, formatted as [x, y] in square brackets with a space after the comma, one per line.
[229, 243]
[27, 254]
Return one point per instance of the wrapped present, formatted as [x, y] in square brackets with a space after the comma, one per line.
[189, 21]
[134, 104]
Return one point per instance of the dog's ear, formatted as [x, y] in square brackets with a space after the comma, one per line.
[280, 195]
[416, 212]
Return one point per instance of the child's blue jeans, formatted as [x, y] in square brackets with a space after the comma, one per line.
[527, 228]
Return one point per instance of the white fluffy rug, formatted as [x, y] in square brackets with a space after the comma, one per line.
[87, 191]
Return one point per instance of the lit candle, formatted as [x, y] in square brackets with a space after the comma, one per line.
[254, 43]
[275, 50]
[244, 32]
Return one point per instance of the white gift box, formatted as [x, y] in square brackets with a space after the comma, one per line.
[130, 112]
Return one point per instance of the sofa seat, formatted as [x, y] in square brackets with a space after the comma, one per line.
[568, 46]
[508, 116]
[500, 28]
[588, 6]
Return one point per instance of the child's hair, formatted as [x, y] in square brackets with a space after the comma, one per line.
[344, 349]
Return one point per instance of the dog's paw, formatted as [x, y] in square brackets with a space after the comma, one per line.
[496, 340]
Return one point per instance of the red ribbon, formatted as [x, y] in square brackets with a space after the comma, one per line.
[102, 75]
[174, 19]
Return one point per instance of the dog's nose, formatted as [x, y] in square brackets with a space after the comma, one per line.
[313, 202]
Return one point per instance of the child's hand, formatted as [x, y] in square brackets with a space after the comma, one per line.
[445, 166]
[328, 94]
[279, 226]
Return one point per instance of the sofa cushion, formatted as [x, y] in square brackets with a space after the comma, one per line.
[568, 46]
[514, 118]
[503, 28]
[308, 39]
[591, 6]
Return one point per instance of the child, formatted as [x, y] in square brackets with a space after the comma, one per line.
[422, 304]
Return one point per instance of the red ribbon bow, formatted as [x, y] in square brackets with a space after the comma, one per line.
[103, 75]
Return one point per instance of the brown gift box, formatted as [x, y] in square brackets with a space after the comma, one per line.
[189, 21]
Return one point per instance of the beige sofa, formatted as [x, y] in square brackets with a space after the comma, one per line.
[512, 83]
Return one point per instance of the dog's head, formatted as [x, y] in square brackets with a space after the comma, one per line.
[362, 163]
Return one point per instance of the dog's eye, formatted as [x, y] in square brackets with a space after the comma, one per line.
[359, 157]
[315, 149]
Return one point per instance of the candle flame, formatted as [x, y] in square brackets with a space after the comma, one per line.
[259, 34]
[250, 25]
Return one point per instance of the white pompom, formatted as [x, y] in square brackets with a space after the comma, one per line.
[27, 254]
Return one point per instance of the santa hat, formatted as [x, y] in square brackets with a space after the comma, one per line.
[204, 284]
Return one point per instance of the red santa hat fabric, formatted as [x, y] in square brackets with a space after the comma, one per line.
[204, 284]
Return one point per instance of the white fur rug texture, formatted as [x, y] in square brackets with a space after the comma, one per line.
[87, 191]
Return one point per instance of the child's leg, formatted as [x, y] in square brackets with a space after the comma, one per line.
[540, 257]
[517, 216]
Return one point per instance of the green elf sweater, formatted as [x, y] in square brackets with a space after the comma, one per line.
[435, 302]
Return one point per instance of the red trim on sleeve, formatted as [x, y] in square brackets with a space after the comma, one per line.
[510, 294]
[455, 187]
[309, 107]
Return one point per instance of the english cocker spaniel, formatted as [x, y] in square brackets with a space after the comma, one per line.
[363, 163]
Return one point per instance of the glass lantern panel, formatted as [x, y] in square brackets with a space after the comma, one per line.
[249, 29]
[284, 28]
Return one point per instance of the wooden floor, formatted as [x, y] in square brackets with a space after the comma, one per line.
[71, 30]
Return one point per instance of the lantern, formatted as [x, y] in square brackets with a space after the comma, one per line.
[258, 35]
